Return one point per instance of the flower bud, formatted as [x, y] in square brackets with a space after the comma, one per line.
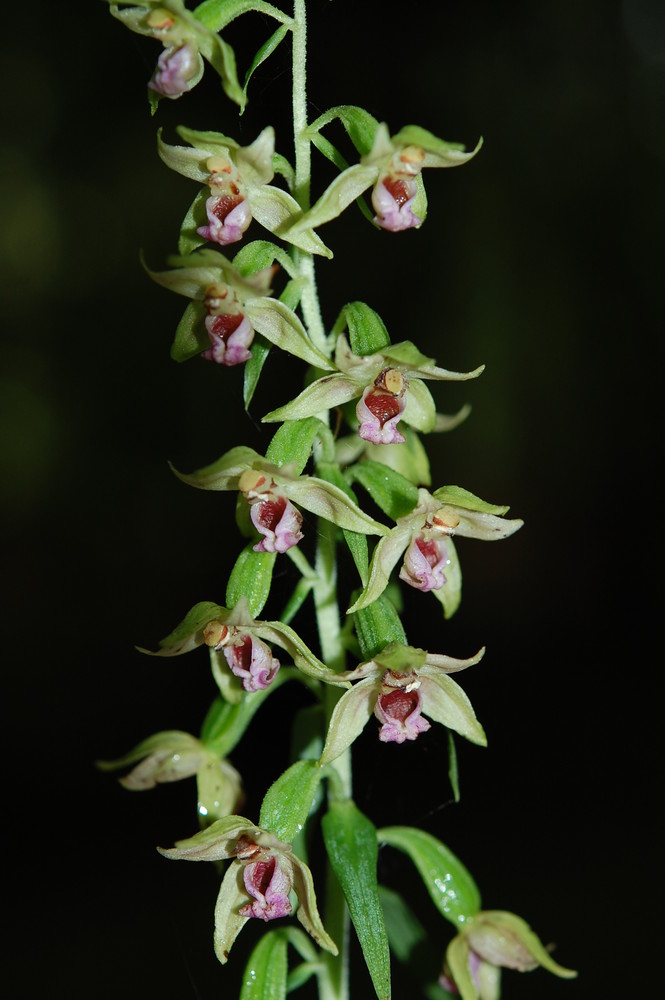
[176, 68]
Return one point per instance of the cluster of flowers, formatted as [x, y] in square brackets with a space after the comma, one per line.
[380, 389]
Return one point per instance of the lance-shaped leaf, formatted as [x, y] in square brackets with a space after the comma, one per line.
[250, 580]
[351, 844]
[448, 882]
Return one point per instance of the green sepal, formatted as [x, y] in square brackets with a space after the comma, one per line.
[332, 503]
[340, 193]
[351, 844]
[282, 327]
[287, 803]
[512, 936]
[400, 658]
[392, 492]
[266, 970]
[359, 125]
[191, 336]
[367, 331]
[420, 409]
[292, 443]
[450, 595]
[355, 540]
[438, 152]
[385, 557]
[224, 473]
[189, 633]
[378, 624]
[277, 211]
[323, 394]
[449, 884]
[251, 577]
[349, 717]
[459, 497]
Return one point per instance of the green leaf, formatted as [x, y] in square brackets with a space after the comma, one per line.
[216, 14]
[367, 331]
[225, 724]
[251, 578]
[191, 337]
[260, 254]
[409, 459]
[292, 443]
[376, 625]
[266, 970]
[287, 803]
[351, 843]
[391, 491]
[448, 882]
[253, 368]
[264, 52]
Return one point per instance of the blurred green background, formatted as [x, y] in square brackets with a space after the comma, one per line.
[542, 259]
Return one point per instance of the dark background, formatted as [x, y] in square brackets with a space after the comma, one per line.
[542, 258]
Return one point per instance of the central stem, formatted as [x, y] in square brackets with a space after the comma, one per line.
[334, 981]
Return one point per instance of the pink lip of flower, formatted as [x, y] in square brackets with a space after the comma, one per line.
[175, 68]
[229, 215]
[278, 521]
[398, 708]
[423, 564]
[231, 334]
[392, 199]
[378, 412]
[270, 885]
[252, 661]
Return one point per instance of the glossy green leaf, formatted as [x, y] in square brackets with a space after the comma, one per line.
[266, 970]
[391, 491]
[351, 843]
[287, 803]
[376, 625]
[251, 577]
[448, 882]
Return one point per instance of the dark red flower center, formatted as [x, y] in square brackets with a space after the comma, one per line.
[243, 652]
[226, 203]
[224, 325]
[430, 550]
[262, 873]
[397, 189]
[270, 512]
[383, 405]
[399, 704]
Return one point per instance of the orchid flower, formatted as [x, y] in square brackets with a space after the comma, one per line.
[426, 535]
[187, 41]
[174, 755]
[391, 166]
[257, 883]
[272, 491]
[490, 941]
[237, 189]
[227, 308]
[390, 384]
[397, 686]
[242, 641]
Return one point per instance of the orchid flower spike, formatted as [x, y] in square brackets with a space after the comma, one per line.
[174, 755]
[489, 942]
[425, 536]
[187, 41]
[262, 874]
[243, 645]
[398, 686]
[390, 384]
